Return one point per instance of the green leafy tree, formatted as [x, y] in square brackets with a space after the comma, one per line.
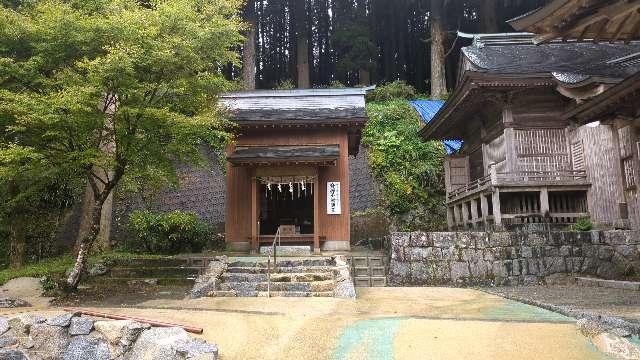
[115, 91]
[409, 169]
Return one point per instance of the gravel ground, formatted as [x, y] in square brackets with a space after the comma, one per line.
[623, 304]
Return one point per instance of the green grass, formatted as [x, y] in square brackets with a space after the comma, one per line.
[56, 267]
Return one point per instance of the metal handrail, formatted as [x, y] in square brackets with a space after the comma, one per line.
[276, 239]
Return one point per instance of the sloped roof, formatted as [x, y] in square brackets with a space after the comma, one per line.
[305, 105]
[427, 109]
[291, 154]
[581, 60]
[604, 20]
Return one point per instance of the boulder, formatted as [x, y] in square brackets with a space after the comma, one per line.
[87, 348]
[170, 344]
[8, 339]
[80, 326]
[344, 285]
[22, 323]
[4, 325]
[9, 354]
[98, 270]
[49, 342]
[209, 281]
[9, 303]
[120, 334]
[63, 320]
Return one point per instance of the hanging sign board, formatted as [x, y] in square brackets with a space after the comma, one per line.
[333, 198]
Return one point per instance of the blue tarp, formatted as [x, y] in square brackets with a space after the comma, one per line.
[428, 110]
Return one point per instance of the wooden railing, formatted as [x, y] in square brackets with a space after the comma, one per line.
[548, 177]
[520, 178]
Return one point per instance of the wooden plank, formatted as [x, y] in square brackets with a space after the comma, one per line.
[316, 216]
[254, 215]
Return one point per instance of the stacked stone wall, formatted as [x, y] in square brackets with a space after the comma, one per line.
[510, 258]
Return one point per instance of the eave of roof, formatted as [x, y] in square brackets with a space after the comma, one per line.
[287, 154]
[596, 20]
[471, 80]
[607, 101]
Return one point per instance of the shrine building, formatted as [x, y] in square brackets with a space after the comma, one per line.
[288, 170]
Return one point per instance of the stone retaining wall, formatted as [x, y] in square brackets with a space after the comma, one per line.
[510, 258]
[72, 337]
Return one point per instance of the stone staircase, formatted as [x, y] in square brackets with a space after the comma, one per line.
[369, 270]
[161, 271]
[290, 277]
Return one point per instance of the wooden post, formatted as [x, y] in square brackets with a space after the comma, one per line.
[316, 213]
[465, 215]
[544, 201]
[451, 220]
[494, 175]
[497, 215]
[474, 211]
[484, 208]
[254, 215]
[456, 216]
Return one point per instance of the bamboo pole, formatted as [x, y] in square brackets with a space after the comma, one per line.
[191, 329]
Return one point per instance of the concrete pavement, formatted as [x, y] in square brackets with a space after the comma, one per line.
[383, 323]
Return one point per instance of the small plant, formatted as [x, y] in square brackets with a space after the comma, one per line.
[167, 233]
[394, 90]
[286, 84]
[582, 224]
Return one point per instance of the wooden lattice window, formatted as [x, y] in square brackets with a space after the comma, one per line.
[629, 173]
[577, 155]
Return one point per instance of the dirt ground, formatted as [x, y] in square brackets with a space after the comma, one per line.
[383, 323]
[611, 302]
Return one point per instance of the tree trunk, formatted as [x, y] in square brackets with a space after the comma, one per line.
[85, 245]
[302, 48]
[488, 17]
[438, 77]
[249, 49]
[18, 241]
[364, 77]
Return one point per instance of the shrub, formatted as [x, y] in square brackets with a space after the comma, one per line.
[167, 233]
[395, 90]
[582, 224]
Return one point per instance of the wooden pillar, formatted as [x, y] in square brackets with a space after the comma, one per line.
[451, 220]
[497, 214]
[474, 211]
[465, 215]
[316, 213]
[456, 216]
[254, 214]
[544, 201]
[484, 208]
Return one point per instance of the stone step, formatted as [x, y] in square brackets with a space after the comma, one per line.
[122, 272]
[314, 286]
[220, 293]
[276, 277]
[158, 262]
[162, 281]
[294, 269]
[284, 262]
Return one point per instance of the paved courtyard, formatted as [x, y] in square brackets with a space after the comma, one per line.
[384, 323]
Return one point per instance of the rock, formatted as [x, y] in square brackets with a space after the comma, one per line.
[98, 269]
[589, 328]
[49, 342]
[87, 348]
[344, 285]
[22, 323]
[606, 270]
[63, 320]
[9, 354]
[9, 303]
[8, 339]
[198, 349]
[170, 344]
[120, 334]
[4, 325]
[145, 282]
[209, 281]
[80, 326]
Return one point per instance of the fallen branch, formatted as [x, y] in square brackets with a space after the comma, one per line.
[194, 330]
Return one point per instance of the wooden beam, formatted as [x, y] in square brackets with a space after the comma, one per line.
[601, 28]
[254, 214]
[316, 212]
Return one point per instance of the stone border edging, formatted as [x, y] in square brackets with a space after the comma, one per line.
[613, 322]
